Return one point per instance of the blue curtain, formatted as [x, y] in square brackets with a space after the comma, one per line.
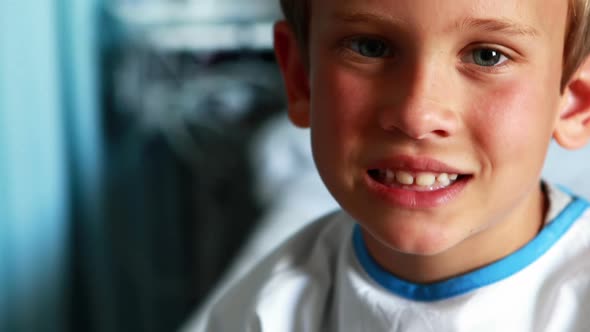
[50, 158]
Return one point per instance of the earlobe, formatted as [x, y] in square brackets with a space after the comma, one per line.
[573, 126]
[294, 74]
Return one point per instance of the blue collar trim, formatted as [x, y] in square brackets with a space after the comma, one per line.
[492, 273]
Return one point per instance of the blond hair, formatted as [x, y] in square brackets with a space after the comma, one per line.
[577, 39]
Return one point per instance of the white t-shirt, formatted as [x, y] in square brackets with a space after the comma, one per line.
[323, 279]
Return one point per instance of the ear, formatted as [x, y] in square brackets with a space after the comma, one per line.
[294, 73]
[573, 126]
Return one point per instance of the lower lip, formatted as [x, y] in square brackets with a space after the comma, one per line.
[411, 199]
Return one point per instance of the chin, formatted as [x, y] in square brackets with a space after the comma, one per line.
[420, 239]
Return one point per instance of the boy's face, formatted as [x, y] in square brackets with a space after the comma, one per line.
[402, 91]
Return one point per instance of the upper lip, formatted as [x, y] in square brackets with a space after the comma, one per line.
[415, 164]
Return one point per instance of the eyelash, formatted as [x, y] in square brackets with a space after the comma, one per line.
[352, 45]
[504, 59]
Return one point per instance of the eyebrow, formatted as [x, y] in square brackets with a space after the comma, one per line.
[359, 17]
[487, 25]
[497, 25]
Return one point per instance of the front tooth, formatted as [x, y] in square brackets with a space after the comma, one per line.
[443, 179]
[404, 178]
[425, 179]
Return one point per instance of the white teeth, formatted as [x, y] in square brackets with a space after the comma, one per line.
[443, 179]
[404, 178]
[425, 179]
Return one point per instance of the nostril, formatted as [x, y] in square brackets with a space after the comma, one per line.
[418, 128]
[420, 118]
[442, 133]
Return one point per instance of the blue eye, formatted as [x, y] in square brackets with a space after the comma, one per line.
[370, 47]
[486, 57]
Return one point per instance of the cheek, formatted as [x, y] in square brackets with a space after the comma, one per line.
[338, 108]
[515, 117]
[340, 118]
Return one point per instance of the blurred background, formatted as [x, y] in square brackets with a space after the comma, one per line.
[145, 158]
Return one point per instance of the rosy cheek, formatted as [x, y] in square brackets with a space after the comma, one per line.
[510, 119]
[502, 110]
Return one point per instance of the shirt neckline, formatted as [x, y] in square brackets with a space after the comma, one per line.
[487, 275]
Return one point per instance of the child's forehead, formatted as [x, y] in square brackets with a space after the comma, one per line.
[541, 15]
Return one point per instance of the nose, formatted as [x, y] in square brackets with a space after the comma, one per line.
[421, 105]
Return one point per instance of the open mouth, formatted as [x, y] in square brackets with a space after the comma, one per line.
[415, 181]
